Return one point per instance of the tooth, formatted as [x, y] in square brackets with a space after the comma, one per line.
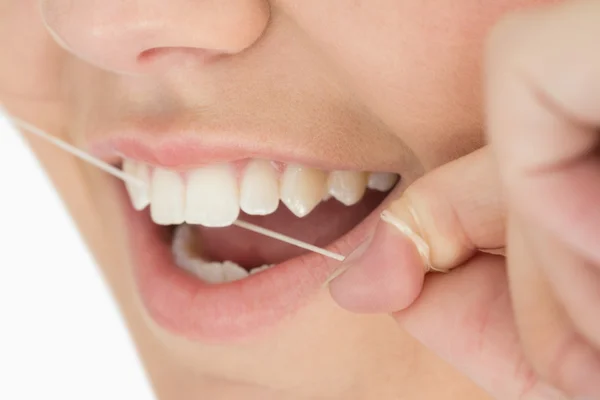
[209, 272]
[216, 272]
[302, 189]
[259, 192]
[180, 244]
[183, 245]
[233, 272]
[167, 197]
[260, 269]
[139, 195]
[347, 187]
[190, 265]
[382, 181]
[212, 197]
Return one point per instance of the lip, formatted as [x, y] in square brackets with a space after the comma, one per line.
[191, 149]
[228, 312]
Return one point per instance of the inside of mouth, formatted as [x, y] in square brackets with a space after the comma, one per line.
[329, 221]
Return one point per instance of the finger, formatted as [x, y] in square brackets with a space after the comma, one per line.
[457, 210]
[550, 342]
[466, 318]
[574, 280]
[543, 99]
[388, 275]
[444, 217]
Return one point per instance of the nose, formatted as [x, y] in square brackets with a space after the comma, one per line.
[141, 36]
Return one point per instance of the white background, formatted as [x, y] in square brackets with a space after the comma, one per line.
[60, 333]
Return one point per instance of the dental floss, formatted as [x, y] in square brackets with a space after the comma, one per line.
[287, 239]
[131, 179]
[75, 151]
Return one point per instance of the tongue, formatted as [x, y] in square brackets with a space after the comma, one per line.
[326, 223]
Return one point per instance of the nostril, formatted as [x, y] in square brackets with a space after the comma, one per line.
[178, 54]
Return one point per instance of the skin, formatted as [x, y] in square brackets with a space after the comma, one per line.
[530, 195]
[398, 83]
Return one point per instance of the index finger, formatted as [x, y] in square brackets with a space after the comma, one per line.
[543, 99]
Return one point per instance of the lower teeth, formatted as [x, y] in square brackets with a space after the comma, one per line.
[211, 272]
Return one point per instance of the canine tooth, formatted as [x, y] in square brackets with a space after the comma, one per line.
[259, 192]
[167, 197]
[348, 187]
[382, 181]
[302, 188]
[212, 197]
[139, 195]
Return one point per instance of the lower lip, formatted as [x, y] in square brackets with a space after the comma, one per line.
[228, 312]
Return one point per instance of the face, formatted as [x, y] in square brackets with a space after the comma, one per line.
[302, 117]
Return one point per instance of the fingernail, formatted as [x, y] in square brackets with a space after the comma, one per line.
[420, 244]
[393, 227]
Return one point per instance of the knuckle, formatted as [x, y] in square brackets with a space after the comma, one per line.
[438, 222]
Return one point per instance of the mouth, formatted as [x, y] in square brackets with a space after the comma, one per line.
[205, 279]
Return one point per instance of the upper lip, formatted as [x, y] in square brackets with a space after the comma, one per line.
[190, 151]
[186, 149]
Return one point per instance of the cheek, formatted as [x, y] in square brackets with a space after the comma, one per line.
[30, 67]
[416, 65]
[474, 18]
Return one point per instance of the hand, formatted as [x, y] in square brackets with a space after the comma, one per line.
[516, 224]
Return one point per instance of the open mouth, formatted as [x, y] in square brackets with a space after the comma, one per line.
[201, 277]
[198, 207]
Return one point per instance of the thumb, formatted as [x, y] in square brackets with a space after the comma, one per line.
[439, 223]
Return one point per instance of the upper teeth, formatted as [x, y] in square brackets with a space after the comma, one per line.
[302, 188]
[140, 195]
[382, 181]
[259, 189]
[348, 187]
[211, 195]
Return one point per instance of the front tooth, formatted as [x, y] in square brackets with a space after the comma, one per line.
[347, 187]
[139, 195]
[212, 197]
[259, 192]
[302, 189]
[167, 197]
[382, 181]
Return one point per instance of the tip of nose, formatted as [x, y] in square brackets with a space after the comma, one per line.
[116, 36]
